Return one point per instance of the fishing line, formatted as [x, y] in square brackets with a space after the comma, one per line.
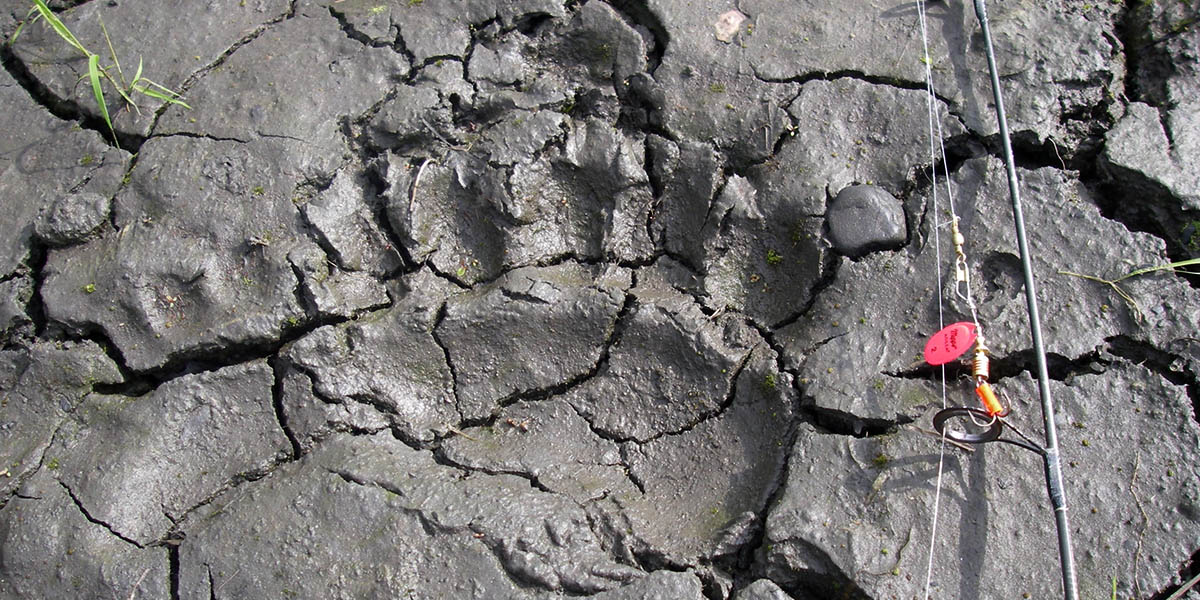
[934, 124]
[962, 272]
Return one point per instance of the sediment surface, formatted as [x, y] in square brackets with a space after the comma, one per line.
[618, 300]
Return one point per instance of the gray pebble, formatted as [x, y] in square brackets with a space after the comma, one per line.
[865, 218]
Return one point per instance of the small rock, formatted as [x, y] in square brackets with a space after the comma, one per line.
[727, 25]
[71, 218]
[864, 218]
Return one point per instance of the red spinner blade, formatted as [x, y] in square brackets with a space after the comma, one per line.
[949, 343]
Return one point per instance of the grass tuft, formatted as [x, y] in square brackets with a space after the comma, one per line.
[97, 72]
[1175, 267]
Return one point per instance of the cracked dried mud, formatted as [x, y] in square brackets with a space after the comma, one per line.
[536, 299]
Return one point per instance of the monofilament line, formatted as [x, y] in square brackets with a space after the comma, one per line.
[934, 132]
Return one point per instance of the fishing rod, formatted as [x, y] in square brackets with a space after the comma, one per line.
[992, 416]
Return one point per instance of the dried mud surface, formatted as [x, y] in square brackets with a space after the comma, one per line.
[532, 299]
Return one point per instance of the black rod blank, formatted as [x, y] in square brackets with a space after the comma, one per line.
[1054, 483]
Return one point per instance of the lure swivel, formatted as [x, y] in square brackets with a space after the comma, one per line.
[962, 273]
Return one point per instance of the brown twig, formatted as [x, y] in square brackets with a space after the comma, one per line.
[138, 583]
[460, 432]
[1183, 590]
[1137, 554]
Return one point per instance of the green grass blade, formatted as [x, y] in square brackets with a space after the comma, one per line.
[163, 88]
[94, 75]
[1168, 267]
[129, 101]
[112, 53]
[59, 27]
[13, 39]
[161, 96]
[163, 93]
[30, 17]
[137, 76]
